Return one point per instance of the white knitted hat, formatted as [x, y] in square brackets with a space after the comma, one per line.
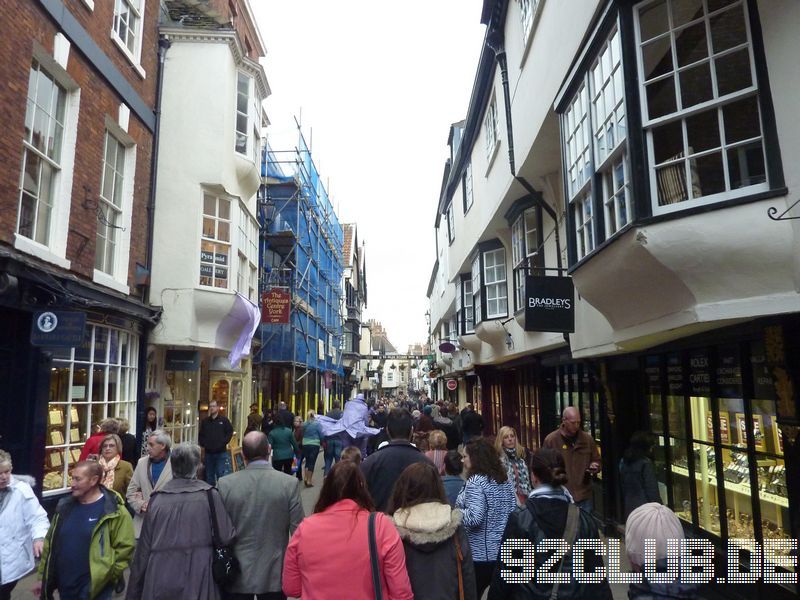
[651, 521]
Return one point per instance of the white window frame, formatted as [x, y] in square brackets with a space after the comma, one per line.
[451, 225]
[108, 389]
[524, 248]
[247, 124]
[528, 15]
[467, 187]
[467, 305]
[491, 134]
[595, 140]
[683, 163]
[476, 278]
[617, 208]
[54, 251]
[212, 240]
[135, 9]
[495, 277]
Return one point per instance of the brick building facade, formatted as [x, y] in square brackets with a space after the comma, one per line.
[78, 110]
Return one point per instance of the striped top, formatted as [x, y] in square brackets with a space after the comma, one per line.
[485, 526]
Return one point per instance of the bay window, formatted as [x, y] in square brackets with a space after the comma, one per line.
[467, 187]
[464, 314]
[699, 102]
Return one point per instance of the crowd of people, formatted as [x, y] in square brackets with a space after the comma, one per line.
[411, 489]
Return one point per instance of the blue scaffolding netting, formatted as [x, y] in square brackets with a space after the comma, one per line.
[301, 253]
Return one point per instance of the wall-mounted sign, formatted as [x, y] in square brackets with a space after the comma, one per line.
[275, 305]
[549, 304]
[452, 384]
[58, 328]
[182, 360]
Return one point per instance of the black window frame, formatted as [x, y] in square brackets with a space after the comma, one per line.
[621, 14]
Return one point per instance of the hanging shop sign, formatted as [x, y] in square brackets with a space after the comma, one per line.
[182, 360]
[452, 385]
[549, 304]
[275, 306]
[58, 328]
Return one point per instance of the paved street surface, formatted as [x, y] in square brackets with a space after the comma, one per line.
[309, 497]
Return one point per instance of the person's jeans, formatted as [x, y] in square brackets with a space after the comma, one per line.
[5, 590]
[310, 453]
[217, 465]
[333, 452]
[360, 443]
[85, 593]
[587, 505]
[283, 465]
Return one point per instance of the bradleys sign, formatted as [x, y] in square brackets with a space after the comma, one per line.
[549, 304]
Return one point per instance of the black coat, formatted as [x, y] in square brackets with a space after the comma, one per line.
[382, 469]
[546, 518]
[637, 479]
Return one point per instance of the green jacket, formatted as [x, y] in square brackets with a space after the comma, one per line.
[110, 551]
[283, 443]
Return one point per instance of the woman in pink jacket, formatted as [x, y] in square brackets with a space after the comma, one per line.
[328, 555]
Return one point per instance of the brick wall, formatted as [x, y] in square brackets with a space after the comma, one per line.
[97, 100]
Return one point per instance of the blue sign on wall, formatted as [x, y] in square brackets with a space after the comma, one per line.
[58, 328]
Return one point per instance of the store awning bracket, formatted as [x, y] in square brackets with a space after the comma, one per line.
[772, 211]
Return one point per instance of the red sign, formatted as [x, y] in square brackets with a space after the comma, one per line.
[275, 305]
[452, 384]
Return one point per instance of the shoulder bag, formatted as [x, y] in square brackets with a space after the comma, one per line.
[459, 560]
[570, 532]
[373, 558]
[224, 565]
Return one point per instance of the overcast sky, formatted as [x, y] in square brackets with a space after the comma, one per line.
[378, 83]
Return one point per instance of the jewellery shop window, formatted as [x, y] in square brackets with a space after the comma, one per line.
[87, 384]
[730, 441]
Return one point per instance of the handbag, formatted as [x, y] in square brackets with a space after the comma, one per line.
[570, 532]
[373, 558]
[224, 564]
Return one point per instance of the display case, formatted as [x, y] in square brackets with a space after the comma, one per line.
[721, 442]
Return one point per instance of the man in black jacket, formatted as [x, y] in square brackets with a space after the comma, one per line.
[215, 433]
[382, 468]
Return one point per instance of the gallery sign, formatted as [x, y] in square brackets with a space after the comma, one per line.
[58, 328]
[549, 304]
[275, 306]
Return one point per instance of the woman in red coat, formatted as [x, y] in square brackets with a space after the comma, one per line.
[328, 555]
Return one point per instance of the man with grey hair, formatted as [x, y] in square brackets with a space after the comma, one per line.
[264, 505]
[152, 473]
[580, 453]
[177, 537]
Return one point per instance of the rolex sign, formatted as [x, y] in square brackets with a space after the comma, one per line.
[549, 304]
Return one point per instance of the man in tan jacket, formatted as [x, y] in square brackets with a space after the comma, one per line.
[152, 473]
[581, 456]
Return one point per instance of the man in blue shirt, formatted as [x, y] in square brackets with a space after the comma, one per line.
[90, 542]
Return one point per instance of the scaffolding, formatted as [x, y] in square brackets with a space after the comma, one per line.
[300, 252]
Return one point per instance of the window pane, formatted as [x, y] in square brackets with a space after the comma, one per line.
[696, 85]
[746, 165]
[708, 175]
[703, 131]
[668, 142]
[209, 205]
[685, 11]
[733, 72]
[691, 44]
[661, 98]
[741, 120]
[224, 209]
[653, 20]
[717, 4]
[706, 479]
[657, 58]
[728, 29]
[671, 182]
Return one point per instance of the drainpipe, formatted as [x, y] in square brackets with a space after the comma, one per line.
[495, 41]
[163, 46]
